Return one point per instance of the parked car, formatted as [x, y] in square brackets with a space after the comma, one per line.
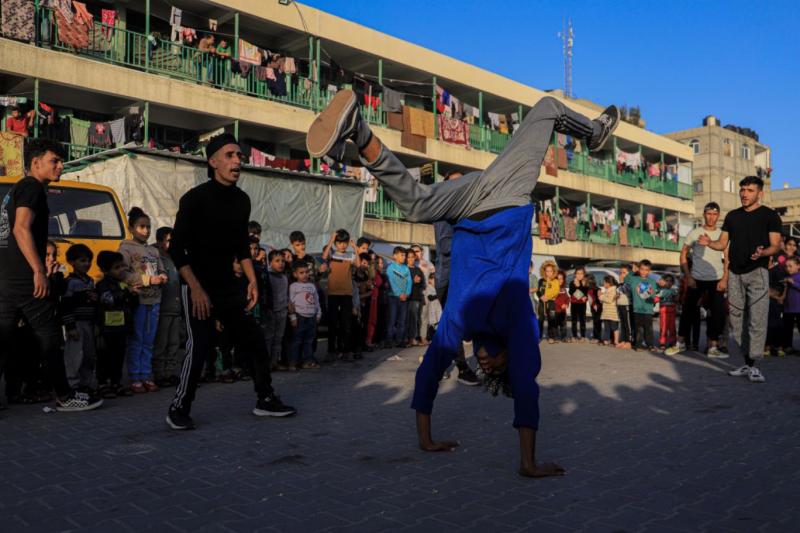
[82, 213]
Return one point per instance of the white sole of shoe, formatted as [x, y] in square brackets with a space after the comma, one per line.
[90, 407]
[261, 412]
[319, 141]
[175, 426]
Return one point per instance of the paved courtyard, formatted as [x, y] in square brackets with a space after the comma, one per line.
[650, 443]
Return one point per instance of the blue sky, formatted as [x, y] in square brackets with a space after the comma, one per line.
[678, 60]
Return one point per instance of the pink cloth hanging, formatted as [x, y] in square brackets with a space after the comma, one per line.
[109, 18]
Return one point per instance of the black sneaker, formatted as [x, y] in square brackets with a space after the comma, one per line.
[339, 122]
[272, 406]
[608, 121]
[177, 419]
[468, 377]
[78, 401]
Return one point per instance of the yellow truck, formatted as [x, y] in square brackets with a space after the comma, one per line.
[81, 213]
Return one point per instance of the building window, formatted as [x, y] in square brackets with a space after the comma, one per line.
[698, 186]
[745, 151]
[727, 148]
[727, 184]
[695, 144]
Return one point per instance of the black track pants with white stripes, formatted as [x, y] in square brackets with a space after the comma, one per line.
[228, 308]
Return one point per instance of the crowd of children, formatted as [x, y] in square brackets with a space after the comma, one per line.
[124, 333]
[622, 309]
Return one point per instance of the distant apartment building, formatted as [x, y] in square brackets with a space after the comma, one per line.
[723, 155]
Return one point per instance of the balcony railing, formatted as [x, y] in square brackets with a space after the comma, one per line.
[581, 163]
[176, 60]
[385, 209]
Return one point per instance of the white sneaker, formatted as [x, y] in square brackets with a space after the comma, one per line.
[756, 376]
[716, 353]
[675, 350]
[741, 371]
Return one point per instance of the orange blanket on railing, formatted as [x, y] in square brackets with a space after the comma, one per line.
[73, 28]
[421, 122]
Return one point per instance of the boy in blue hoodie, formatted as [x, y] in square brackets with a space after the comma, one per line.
[400, 284]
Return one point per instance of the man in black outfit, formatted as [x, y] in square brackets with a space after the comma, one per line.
[24, 286]
[210, 231]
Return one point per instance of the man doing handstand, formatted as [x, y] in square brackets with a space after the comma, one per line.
[488, 298]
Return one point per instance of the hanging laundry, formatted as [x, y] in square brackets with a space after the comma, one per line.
[503, 127]
[394, 120]
[117, 128]
[289, 65]
[11, 146]
[176, 17]
[333, 89]
[6, 101]
[73, 29]
[470, 113]
[244, 68]
[408, 139]
[421, 122]
[100, 134]
[249, 53]
[653, 170]
[458, 108]
[79, 131]
[16, 19]
[372, 101]
[570, 228]
[109, 18]
[550, 165]
[391, 100]
[212, 24]
[628, 161]
[514, 122]
[452, 130]
[494, 121]
[188, 35]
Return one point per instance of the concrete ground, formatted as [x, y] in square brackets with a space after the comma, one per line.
[650, 443]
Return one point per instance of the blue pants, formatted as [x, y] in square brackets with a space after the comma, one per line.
[488, 302]
[398, 312]
[303, 338]
[140, 342]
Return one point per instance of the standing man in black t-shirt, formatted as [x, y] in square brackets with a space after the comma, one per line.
[754, 234]
[210, 232]
[24, 288]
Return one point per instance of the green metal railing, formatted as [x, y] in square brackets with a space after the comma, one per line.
[76, 151]
[582, 163]
[153, 54]
[385, 209]
[484, 138]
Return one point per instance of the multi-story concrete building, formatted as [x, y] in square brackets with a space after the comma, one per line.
[722, 157]
[629, 201]
[786, 202]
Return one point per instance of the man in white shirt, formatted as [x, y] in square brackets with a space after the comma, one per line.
[708, 275]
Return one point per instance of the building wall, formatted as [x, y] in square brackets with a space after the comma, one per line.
[712, 165]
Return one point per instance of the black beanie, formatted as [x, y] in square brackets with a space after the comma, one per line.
[215, 144]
